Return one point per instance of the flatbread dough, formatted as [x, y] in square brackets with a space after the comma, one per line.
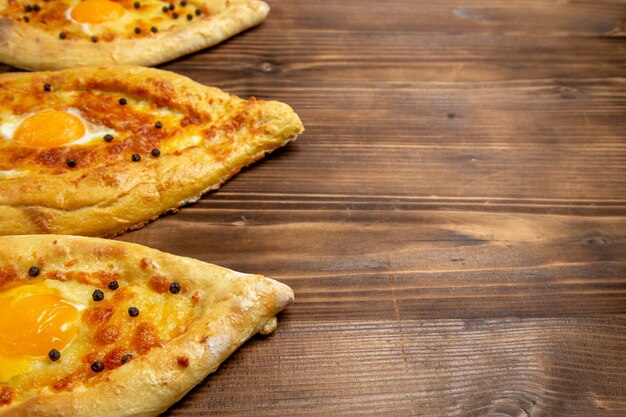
[147, 326]
[153, 141]
[143, 32]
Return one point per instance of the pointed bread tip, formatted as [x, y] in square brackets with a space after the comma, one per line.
[284, 295]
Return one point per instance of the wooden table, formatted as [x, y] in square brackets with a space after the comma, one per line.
[453, 221]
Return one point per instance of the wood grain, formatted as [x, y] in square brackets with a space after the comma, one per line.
[508, 367]
[453, 221]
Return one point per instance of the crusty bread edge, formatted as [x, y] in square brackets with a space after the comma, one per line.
[192, 174]
[27, 47]
[147, 386]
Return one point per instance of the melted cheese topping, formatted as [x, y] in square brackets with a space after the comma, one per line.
[51, 126]
[111, 19]
[174, 327]
[146, 129]
[47, 314]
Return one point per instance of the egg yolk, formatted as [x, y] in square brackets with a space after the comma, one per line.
[97, 11]
[48, 129]
[33, 324]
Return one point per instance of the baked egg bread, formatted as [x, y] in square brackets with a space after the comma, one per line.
[93, 327]
[100, 150]
[57, 34]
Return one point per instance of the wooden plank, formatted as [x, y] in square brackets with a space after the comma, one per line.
[453, 221]
[450, 17]
[509, 367]
[338, 58]
[360, 262]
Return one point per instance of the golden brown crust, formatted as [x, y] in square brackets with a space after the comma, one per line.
[230, 307]
[107, 193]
[27, 46]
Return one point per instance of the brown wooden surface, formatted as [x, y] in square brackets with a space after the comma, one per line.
[453, 221]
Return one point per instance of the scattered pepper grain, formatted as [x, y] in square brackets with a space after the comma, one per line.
[97, 366]
[54, 355]
[174, 287]
[97, 295]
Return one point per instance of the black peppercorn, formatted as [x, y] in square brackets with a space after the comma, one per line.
[113, 285]
[189, 17]
[158, 124]
[165, 9]
[94, 39]
[133, 311]
[174, 287]
[26, 19]
[136, 5]
[70, 163]
[153, 29]
[33, 271]
[54, 355]
[122, 101]
[183, 3]
[136, 157]
[97, 366]
[28, 8]
[47, 87]
[62, 35]
[36, 7]
[137, 31]
[172, 7]
[97, 295]
[155, 152]
[198, 12]
[175, 15]
[108, 137]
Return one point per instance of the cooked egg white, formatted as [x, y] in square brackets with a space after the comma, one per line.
[11, 123]
[12, 173]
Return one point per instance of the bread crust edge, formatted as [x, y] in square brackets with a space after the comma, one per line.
[148, 385]
[27, 47]
[151, 188]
